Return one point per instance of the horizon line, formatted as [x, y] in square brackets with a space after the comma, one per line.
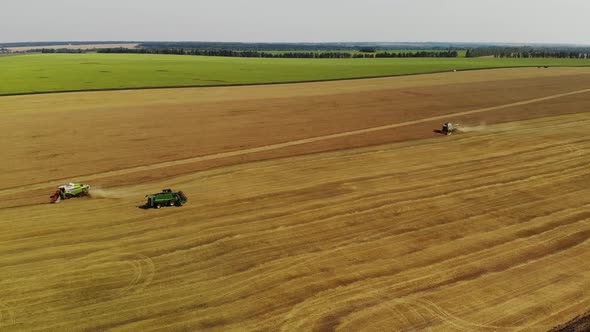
[300, 42]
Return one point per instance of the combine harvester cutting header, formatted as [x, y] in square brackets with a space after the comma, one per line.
[70, 190]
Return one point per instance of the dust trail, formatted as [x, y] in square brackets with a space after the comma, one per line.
[484, 127]
[470, 129]
[112, 193]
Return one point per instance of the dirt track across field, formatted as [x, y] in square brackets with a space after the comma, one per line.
[331, 206]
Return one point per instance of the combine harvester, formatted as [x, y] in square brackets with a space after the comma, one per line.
[70, 190]
[450, 128]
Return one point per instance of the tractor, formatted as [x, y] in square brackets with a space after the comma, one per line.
[70, 190]
[167, 197]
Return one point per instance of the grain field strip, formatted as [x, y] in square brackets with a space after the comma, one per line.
[131, 170]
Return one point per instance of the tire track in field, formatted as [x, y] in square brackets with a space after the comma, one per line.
[144, 271]
[429, 310]
[343, 301]
[277, 146]
[135, 271]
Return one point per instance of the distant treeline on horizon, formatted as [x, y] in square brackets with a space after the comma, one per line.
[366, 53]
[324, 50]
[529, 52]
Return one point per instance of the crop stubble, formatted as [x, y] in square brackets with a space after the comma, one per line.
[483, 231]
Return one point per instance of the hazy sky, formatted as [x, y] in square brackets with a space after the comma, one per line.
[551, 21]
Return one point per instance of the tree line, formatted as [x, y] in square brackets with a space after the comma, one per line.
[296, 55]
[52, 43]
[249, 46]
[57, 50]
[527, 52]
[418, 54]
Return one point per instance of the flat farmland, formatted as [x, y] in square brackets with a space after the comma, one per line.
[40, 73]
[320, 206]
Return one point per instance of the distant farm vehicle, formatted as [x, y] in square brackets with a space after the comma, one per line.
[167, 197]
[70, 190]
[449, 129]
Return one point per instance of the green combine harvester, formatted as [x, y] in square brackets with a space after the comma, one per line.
[167, 197]
[70, 190]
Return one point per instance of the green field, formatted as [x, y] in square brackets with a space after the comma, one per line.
[76, 72]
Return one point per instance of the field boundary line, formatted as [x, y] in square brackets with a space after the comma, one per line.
[277, 146]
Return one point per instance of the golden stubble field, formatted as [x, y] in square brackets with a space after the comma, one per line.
[483, 231]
